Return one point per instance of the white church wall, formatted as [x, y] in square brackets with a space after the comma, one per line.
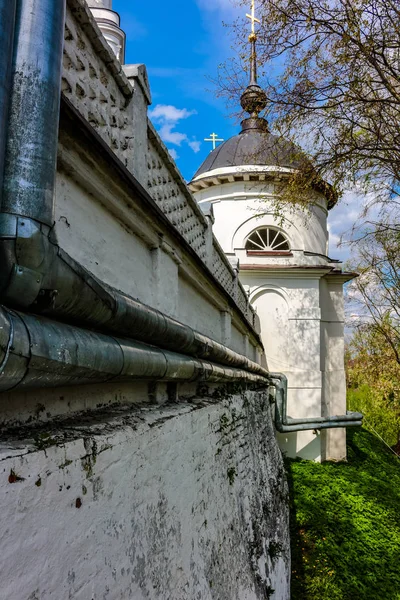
[88, 232]
[296, 337]
[185, 501]
[290, 315]
[237, 341]
[237, 213]
[273, 310]
[225, 219]
[166, 276]
[334, 378]
[141, 264]
[204, 316]
[309, 347]
[302, 444]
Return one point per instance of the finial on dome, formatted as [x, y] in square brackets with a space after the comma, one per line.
[254, 99]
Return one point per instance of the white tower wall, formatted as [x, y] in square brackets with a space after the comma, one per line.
[298, 296]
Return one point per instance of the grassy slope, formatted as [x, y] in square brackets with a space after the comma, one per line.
[345, 524]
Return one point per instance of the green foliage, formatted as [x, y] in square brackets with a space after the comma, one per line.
[345, 524]
[381, 413]
[373, 377]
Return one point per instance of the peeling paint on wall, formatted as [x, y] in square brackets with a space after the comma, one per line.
[138, 503]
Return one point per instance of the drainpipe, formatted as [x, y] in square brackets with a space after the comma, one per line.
[36, 352]
[7, 22]
[36, 274]
[31, 147]
[285, 424]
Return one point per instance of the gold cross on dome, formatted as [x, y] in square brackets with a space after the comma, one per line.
[253, 18]
[214, 139]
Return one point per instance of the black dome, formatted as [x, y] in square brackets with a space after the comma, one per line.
[254, 145]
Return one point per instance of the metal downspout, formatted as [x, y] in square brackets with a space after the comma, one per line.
[7, 23]
[31, 146]
[285, 424]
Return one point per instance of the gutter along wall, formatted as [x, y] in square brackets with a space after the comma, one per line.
[160, 477]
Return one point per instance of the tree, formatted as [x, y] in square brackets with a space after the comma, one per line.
[332, 76]
[375, 295]
[373, 357]
[373, 381]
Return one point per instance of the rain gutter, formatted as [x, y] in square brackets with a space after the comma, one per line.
[36, 352]
[285, 424]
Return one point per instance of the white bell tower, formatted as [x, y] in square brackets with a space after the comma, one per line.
[282, 260]
[109, 24]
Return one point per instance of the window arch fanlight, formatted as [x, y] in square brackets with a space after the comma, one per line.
[267, 239]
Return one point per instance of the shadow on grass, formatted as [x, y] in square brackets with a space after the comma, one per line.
[345, 524]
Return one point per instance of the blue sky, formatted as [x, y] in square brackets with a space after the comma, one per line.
[182, 43]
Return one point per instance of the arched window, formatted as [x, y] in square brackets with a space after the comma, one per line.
[267, 239]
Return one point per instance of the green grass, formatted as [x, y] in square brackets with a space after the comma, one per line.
[345, 524]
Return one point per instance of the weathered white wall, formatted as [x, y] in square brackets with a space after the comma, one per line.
[175, 502]
[290, 328]
[106, 246]
[333, 372]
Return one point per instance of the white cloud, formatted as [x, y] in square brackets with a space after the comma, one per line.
[173, 153]
[171, 137]
[167, 118]
[195, 146]
[346, 221]
[167, 112]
